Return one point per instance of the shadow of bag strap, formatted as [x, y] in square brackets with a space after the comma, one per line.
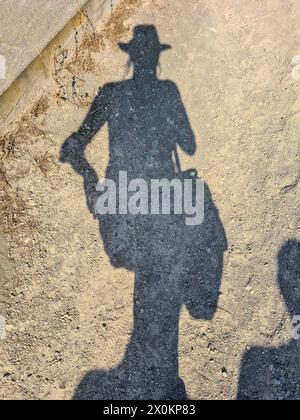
[177, 164]
[191, 173]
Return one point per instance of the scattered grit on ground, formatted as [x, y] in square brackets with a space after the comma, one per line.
[67, 310]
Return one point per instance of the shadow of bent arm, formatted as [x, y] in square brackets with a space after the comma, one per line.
[73, 149]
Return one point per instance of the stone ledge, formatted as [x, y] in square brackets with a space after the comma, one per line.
[26, 29]
[23, 85]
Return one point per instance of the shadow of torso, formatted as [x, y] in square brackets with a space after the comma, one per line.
[146, 121]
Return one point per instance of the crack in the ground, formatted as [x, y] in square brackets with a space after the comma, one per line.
[292, 186]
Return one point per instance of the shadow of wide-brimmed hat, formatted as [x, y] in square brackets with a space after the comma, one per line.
[145, 38]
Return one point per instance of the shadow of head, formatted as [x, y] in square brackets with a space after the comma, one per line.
[289, 275]
[145, 48]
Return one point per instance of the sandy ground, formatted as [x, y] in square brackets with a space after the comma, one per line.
[67, 310]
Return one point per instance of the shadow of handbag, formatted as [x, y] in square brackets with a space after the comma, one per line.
[203, 247]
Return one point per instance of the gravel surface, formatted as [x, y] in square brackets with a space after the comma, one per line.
[74, 320]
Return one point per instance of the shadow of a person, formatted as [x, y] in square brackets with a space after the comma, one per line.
[174, 264]
[273, 373]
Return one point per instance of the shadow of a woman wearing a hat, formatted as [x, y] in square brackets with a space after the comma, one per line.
[174, 264]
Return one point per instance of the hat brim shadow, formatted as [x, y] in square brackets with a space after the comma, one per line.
[131, 46]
